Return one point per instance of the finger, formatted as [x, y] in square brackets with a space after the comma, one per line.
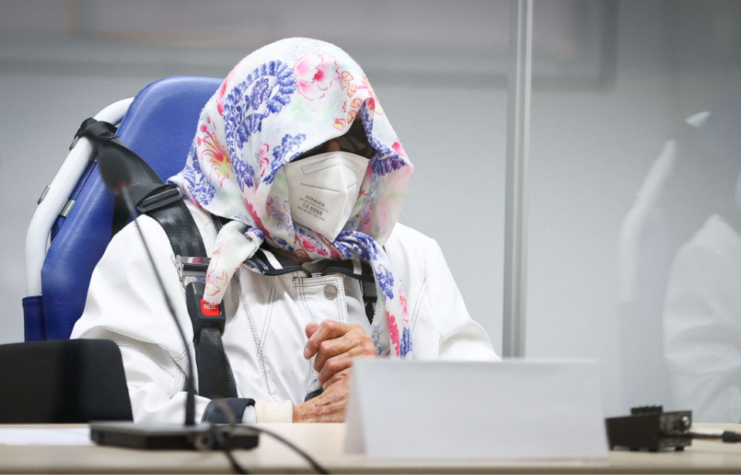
[334, 347]
[327, 330]
[337, 377]
[356, 339]
[339, 363]
[310, 329]
[334, 366]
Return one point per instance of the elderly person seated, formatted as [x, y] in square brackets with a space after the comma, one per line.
[295, 180]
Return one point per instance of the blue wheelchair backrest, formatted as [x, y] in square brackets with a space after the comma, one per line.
[159, 125]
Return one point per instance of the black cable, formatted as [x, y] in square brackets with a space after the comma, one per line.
[314, 464]
[731, 437]
[223, 443]
[726, 436]
[235, 428]
[219, 436]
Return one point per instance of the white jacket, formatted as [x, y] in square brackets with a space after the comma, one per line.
[266, 315]
[702, 324]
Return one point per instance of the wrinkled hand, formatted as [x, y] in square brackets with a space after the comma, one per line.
[335, 345]
[329, 406]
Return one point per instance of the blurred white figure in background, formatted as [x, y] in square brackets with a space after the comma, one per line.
[702, 317]
[658, 223]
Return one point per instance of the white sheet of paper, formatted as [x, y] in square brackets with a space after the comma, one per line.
[26, 436]
[514, 410]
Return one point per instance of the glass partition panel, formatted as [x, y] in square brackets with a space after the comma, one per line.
[635, 228]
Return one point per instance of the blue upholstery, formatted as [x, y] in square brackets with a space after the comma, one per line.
[159, 126]
[33, 318]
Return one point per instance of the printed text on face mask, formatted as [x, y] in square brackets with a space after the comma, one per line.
[313, 206]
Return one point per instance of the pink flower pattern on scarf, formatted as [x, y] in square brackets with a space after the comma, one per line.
[315, 73]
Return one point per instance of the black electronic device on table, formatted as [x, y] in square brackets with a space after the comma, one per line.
[170, 436]
[650, 428]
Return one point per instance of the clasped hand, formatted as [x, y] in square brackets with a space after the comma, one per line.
[335, 345]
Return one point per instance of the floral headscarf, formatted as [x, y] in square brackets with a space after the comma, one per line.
[277, 103]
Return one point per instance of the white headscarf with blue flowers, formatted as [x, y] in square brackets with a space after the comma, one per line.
[277, 103]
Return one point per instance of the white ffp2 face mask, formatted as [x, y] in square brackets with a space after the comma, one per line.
[323, 189]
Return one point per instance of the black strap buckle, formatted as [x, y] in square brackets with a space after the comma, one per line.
[202, 314]
[92, 128]
[215, 377]
[159, 198]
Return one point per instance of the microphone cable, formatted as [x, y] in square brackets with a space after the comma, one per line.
[726, 436]
[190, 404]
[223, 443]
[218, 434]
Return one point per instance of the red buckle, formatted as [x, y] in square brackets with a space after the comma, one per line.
[209, 309]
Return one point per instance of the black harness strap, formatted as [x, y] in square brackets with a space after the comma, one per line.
[215, 377]
[164, 204]
[175, 219]
[370, 296]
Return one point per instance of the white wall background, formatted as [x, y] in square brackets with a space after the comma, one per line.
[437, 68]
